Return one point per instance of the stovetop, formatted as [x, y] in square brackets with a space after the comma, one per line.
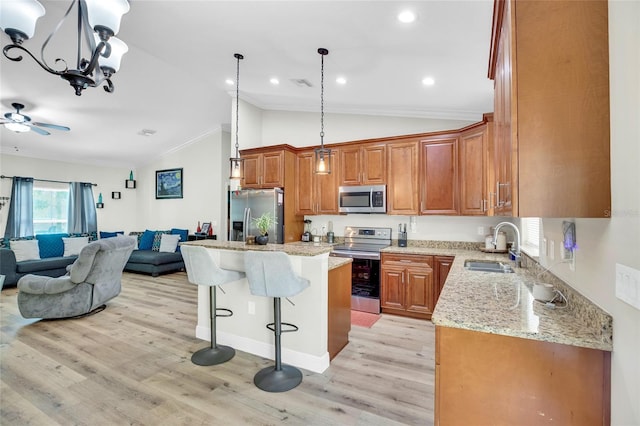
[364, 239]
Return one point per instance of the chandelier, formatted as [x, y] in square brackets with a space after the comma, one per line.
[322, 154]
[237, 162]
[98, 22]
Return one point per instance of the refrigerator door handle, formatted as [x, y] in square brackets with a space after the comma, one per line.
[247, 221]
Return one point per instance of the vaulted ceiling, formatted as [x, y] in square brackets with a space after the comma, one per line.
[172, 80]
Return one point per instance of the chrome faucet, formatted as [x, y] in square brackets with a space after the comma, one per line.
[514, 251]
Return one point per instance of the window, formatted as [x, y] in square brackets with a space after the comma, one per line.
[531, 231]
[50, 207]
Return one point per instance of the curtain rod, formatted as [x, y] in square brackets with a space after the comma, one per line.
[46, 180]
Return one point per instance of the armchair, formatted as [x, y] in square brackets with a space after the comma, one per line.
[93, 279]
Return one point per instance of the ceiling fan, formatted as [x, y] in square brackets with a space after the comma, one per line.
[22, 123]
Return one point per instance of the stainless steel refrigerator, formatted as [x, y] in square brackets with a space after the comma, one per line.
[247, 204]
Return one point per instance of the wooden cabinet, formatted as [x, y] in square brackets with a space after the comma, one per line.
[472, 160]
[441, 268]
[550, 65]
[515, 381]
[315, 194]
[402, 178]
[264, 169]
[363, 164]
[439, 175]
[339, 309]
[406, 286]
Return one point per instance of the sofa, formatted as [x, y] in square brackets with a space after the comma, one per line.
[93, 279]
[156, 254]
[47, 254]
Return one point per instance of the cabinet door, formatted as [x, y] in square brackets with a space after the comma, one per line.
[305, 184]
[442, 266]
[419, 287]
[392, 289]
[374, 165]
[350, 159]
[402, 178]
[438, 175]
[472, 152]
[272, 169]
[326, 187]
[252, 170]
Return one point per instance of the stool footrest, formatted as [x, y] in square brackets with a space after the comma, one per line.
[227, 312]
[272, 326]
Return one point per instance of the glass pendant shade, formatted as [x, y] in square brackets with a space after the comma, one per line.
[322, 161]
[237, 168]
[20, 15]
[17, 127]
[103, 13]
[118, 49]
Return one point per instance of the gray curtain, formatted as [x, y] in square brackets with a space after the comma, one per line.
[82, 209]
[20, 219]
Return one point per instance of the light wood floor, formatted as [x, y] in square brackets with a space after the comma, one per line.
[130, 364]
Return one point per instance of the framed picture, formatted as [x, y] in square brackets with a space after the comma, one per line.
[169, 183]
[205, 228]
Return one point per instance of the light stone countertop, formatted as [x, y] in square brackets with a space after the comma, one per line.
[336, 262]
[503, 304]
[293, 249]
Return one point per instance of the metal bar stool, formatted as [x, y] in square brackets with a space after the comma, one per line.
[271, 274]
[203, 270]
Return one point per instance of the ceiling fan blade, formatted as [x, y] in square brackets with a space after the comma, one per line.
[52, 126]
[39, 130]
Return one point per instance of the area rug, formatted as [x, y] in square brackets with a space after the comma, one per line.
[363, 319]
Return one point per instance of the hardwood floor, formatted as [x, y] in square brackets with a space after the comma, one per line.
[130, 364]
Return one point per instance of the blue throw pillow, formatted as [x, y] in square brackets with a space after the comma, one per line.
[51, 245]
[146, 242]
[110, 234]
[184, 233]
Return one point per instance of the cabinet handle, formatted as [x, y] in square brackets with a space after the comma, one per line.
[484, 205]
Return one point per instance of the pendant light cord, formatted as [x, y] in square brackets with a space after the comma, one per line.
[322, 99]
[238, 57]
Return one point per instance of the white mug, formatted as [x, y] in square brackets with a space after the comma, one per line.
[544, 292]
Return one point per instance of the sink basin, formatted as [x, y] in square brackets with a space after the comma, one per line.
[488, 266]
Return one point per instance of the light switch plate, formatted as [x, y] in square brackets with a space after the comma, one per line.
[628, 285]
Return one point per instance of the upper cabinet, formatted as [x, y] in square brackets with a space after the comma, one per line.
[550, 65]
[264, 169]
[363, 164]
[439, 175]
[402, 178]
[315, 194]
[473, 161]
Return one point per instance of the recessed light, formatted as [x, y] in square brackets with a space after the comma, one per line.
[428, 81]
[229, 82]
[274, 81]
[406, 17]
[341, 80]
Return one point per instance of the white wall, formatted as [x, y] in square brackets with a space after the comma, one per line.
[117, 215]
[604, 242]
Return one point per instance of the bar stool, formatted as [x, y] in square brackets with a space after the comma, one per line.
[271, 274]
[203, 270]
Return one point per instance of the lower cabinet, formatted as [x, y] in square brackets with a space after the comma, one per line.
[410, 284]
[503, 380]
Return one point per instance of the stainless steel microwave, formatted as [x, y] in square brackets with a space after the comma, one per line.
[362, 199]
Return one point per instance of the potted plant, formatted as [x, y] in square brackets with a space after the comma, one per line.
[263, 223]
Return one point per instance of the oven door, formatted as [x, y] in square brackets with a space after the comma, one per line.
[365, 281]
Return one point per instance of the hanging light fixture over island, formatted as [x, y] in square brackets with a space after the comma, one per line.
[322, 154]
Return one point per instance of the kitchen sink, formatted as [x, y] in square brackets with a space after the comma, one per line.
[488, 266]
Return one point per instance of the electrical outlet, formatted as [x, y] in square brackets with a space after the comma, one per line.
[552, 250]
[412, 225]
[544, 247]
[481, 230]
[628, 285]
[251, 308]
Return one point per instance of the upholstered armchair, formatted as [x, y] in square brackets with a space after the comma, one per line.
[93, 279]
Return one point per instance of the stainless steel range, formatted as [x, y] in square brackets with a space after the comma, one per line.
[363, 245]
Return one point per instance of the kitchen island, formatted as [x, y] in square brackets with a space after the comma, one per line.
[246, 329]
[505, 358]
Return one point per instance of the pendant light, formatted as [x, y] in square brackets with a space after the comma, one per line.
[237, 163]
[322, 154]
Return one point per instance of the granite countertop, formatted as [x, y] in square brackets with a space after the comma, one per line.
[293, 249]
[336, 262]
[503, 304]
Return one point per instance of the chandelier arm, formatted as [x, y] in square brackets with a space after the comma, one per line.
[91, 64]
[108, 85]
[46, 42]
[43, 65]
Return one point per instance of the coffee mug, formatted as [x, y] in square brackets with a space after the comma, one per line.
[544, 292]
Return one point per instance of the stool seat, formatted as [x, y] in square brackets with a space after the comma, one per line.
[271, 274]
[203, 270]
